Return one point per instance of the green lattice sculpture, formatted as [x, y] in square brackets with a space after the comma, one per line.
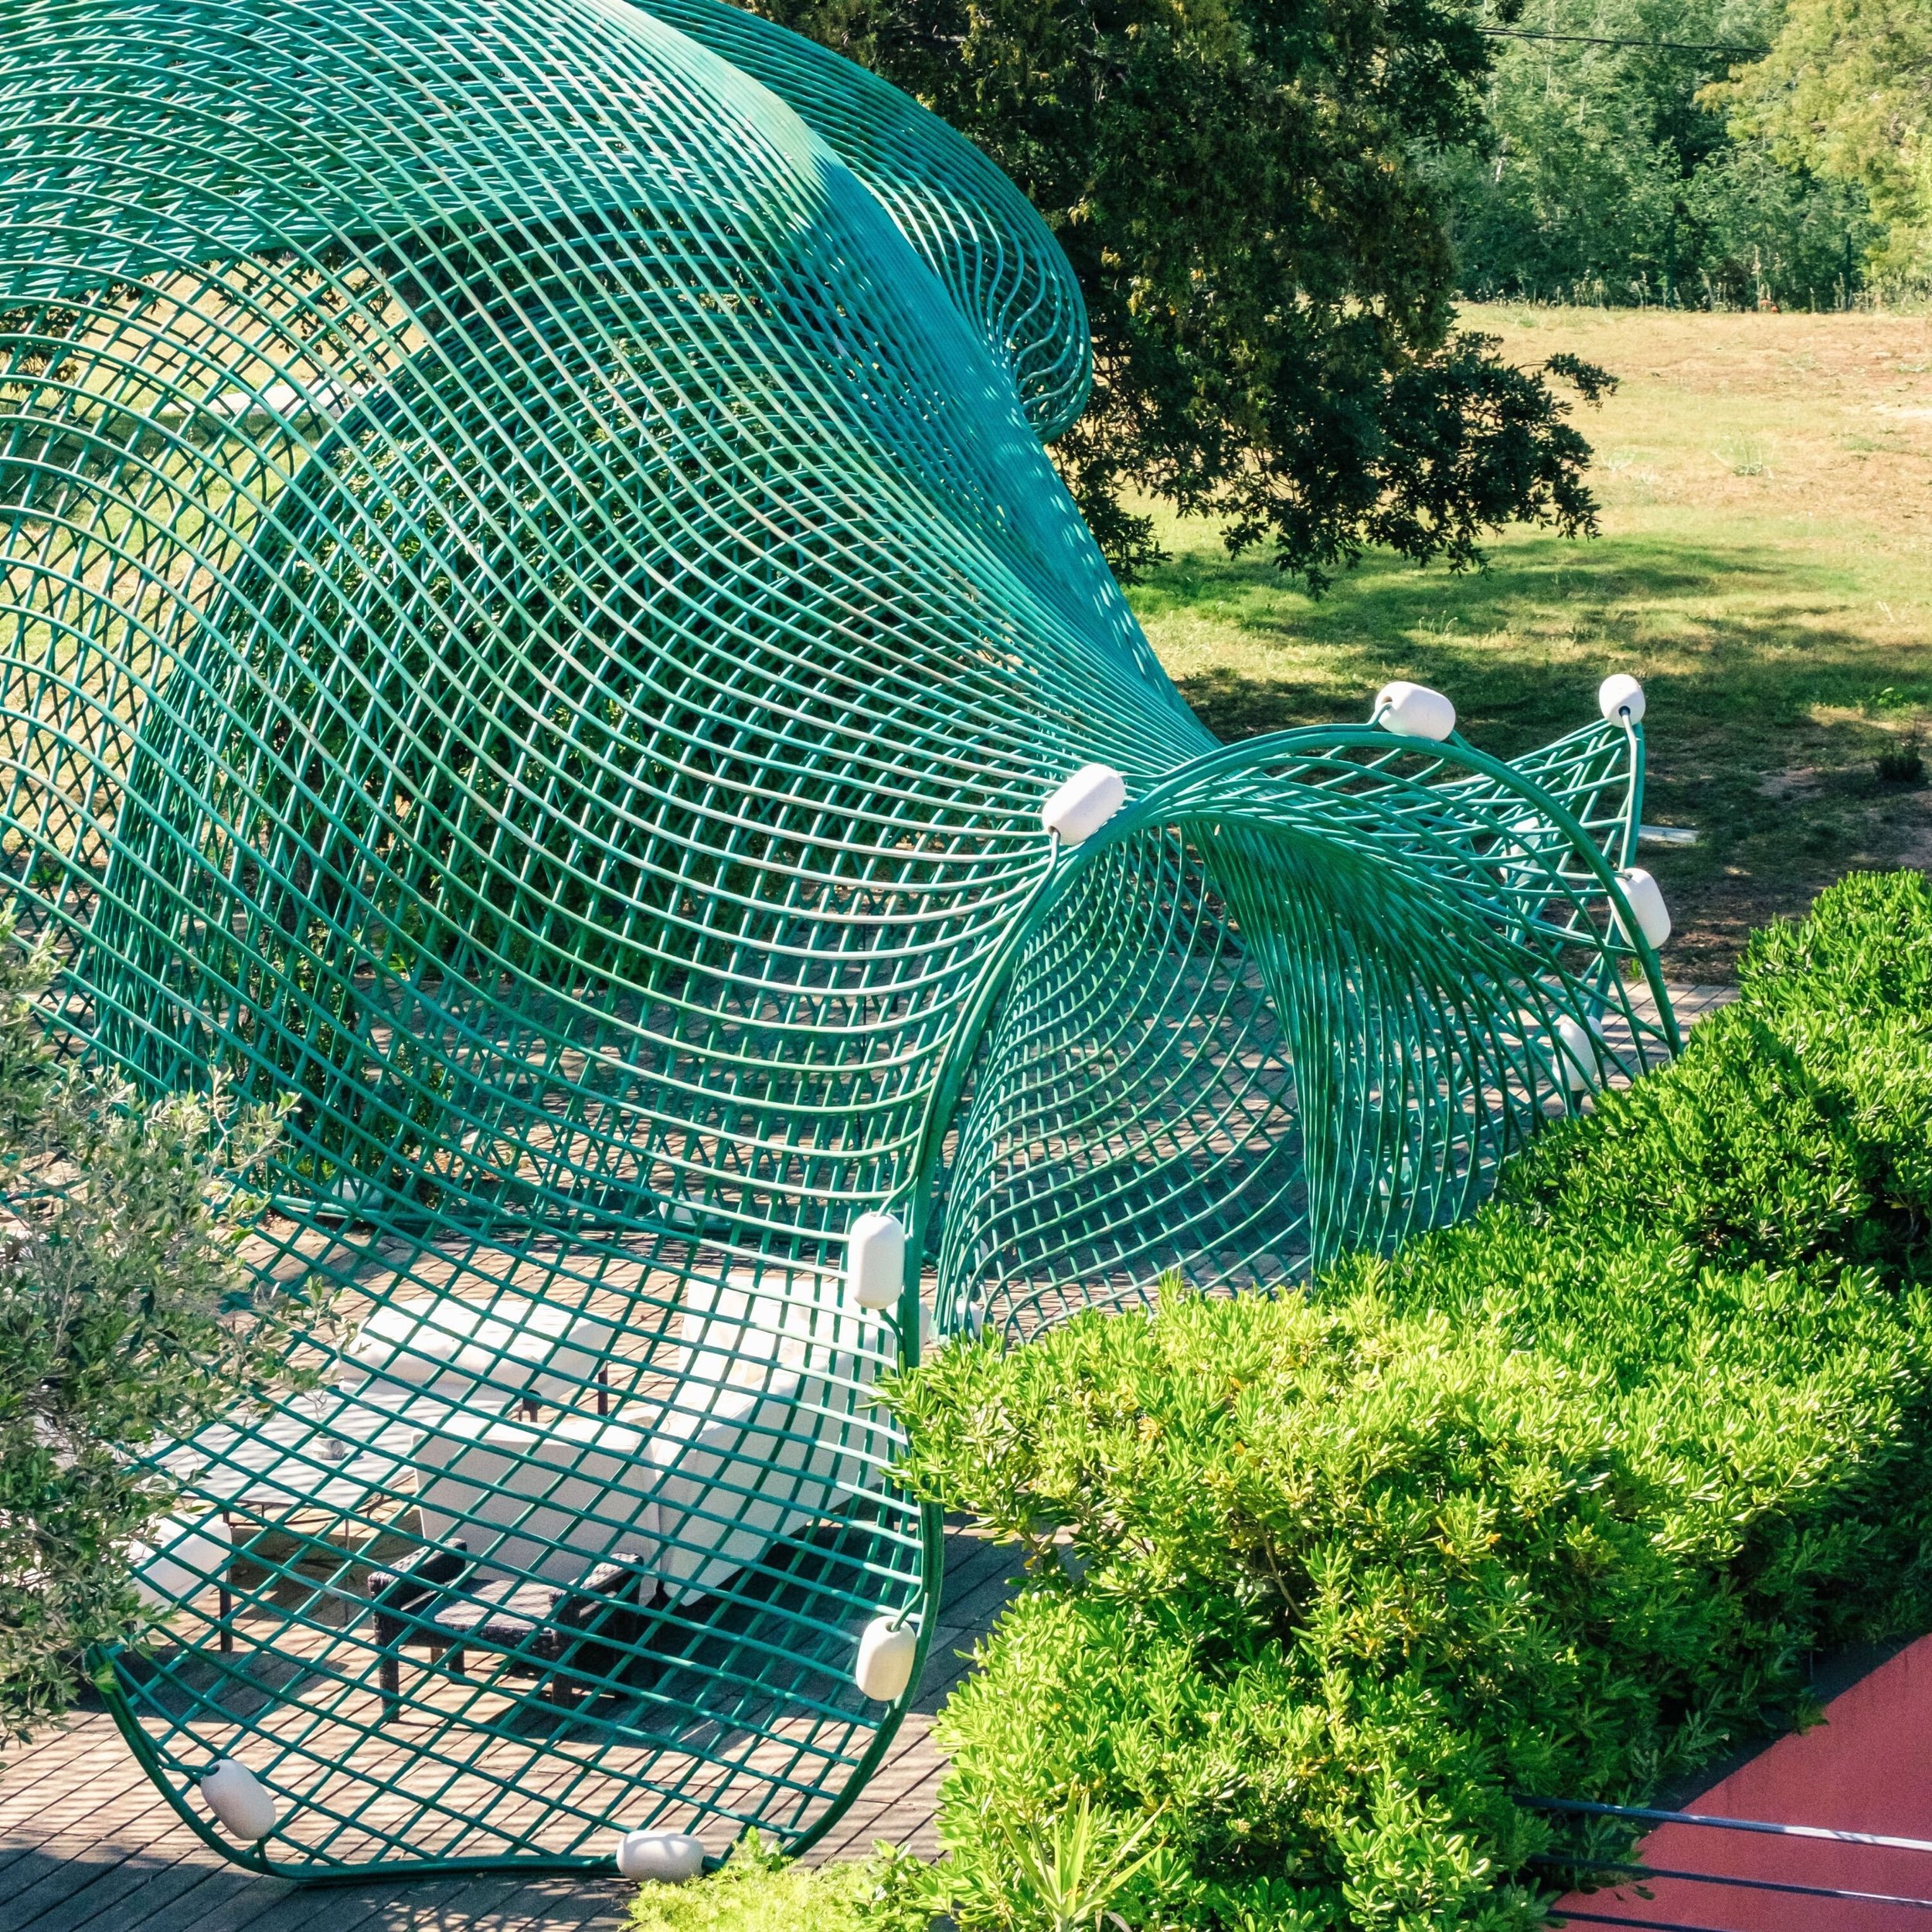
[537, 620]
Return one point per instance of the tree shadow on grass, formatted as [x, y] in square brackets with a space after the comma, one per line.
[1514, 638]
[1768, 705]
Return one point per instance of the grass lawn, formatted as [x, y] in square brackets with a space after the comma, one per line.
[1765, 568]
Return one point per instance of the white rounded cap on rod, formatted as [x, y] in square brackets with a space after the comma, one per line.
[239, 1799]
[876, 1260]
[1646, 899]
[1576, 1053]
[1083, 804]
[885, 1654]
[1413, 711]
[1620, 693]
[663, 1857]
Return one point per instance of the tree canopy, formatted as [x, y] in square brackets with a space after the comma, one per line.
[1612, 175]
[1846, 92]
[1238, 184]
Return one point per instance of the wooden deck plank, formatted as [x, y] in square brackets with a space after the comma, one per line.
[115, 1835]
[88, 1844]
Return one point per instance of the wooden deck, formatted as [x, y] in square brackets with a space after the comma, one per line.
[87, 1845]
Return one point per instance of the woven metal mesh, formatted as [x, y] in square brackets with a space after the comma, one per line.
[535, 617]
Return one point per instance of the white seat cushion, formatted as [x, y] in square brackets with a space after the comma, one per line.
[756, 1441]
[550, 1499]
[513, 1347]
[766, 1429]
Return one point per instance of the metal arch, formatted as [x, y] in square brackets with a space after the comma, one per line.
[1528, 868]
[400, 415]
[535, 617]
[967, 222]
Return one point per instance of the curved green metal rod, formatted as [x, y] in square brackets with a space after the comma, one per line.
[967, 223]
[1044, 1126]
[535, 618]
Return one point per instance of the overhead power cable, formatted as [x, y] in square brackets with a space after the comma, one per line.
[1594, 40]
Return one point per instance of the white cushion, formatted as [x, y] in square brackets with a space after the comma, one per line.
[550, 1499]
[435, 1345]
[749, 1445]
[757, 1438]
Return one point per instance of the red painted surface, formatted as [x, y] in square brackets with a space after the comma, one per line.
[1867, 1768]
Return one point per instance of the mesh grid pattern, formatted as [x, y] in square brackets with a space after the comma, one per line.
[535, 616]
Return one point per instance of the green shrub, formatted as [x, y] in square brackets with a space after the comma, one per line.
[127, 1316]
[1560, 1501]
[1740, 1150]
[1850, 990]
[1864, 954]
[757, 1891]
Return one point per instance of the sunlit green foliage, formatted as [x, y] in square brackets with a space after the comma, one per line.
[1847, 92]
[1559, 1501]
[1606, 175]
[757, 1891]
[126, 1317]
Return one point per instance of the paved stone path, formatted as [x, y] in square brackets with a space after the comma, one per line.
[86, 1844]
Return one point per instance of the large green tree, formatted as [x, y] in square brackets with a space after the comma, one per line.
[1846, 91]
[1238, 184]
[1611, 176]
[127, 1316]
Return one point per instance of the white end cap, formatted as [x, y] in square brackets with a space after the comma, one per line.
[1413, 711]
[1084, 804]
[1618, 693]
[663, 1858]
[1646, 899]
[239, 1799]
[1576, 1053]
[179, 1560]
[886, 1655]
[876, 1260]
